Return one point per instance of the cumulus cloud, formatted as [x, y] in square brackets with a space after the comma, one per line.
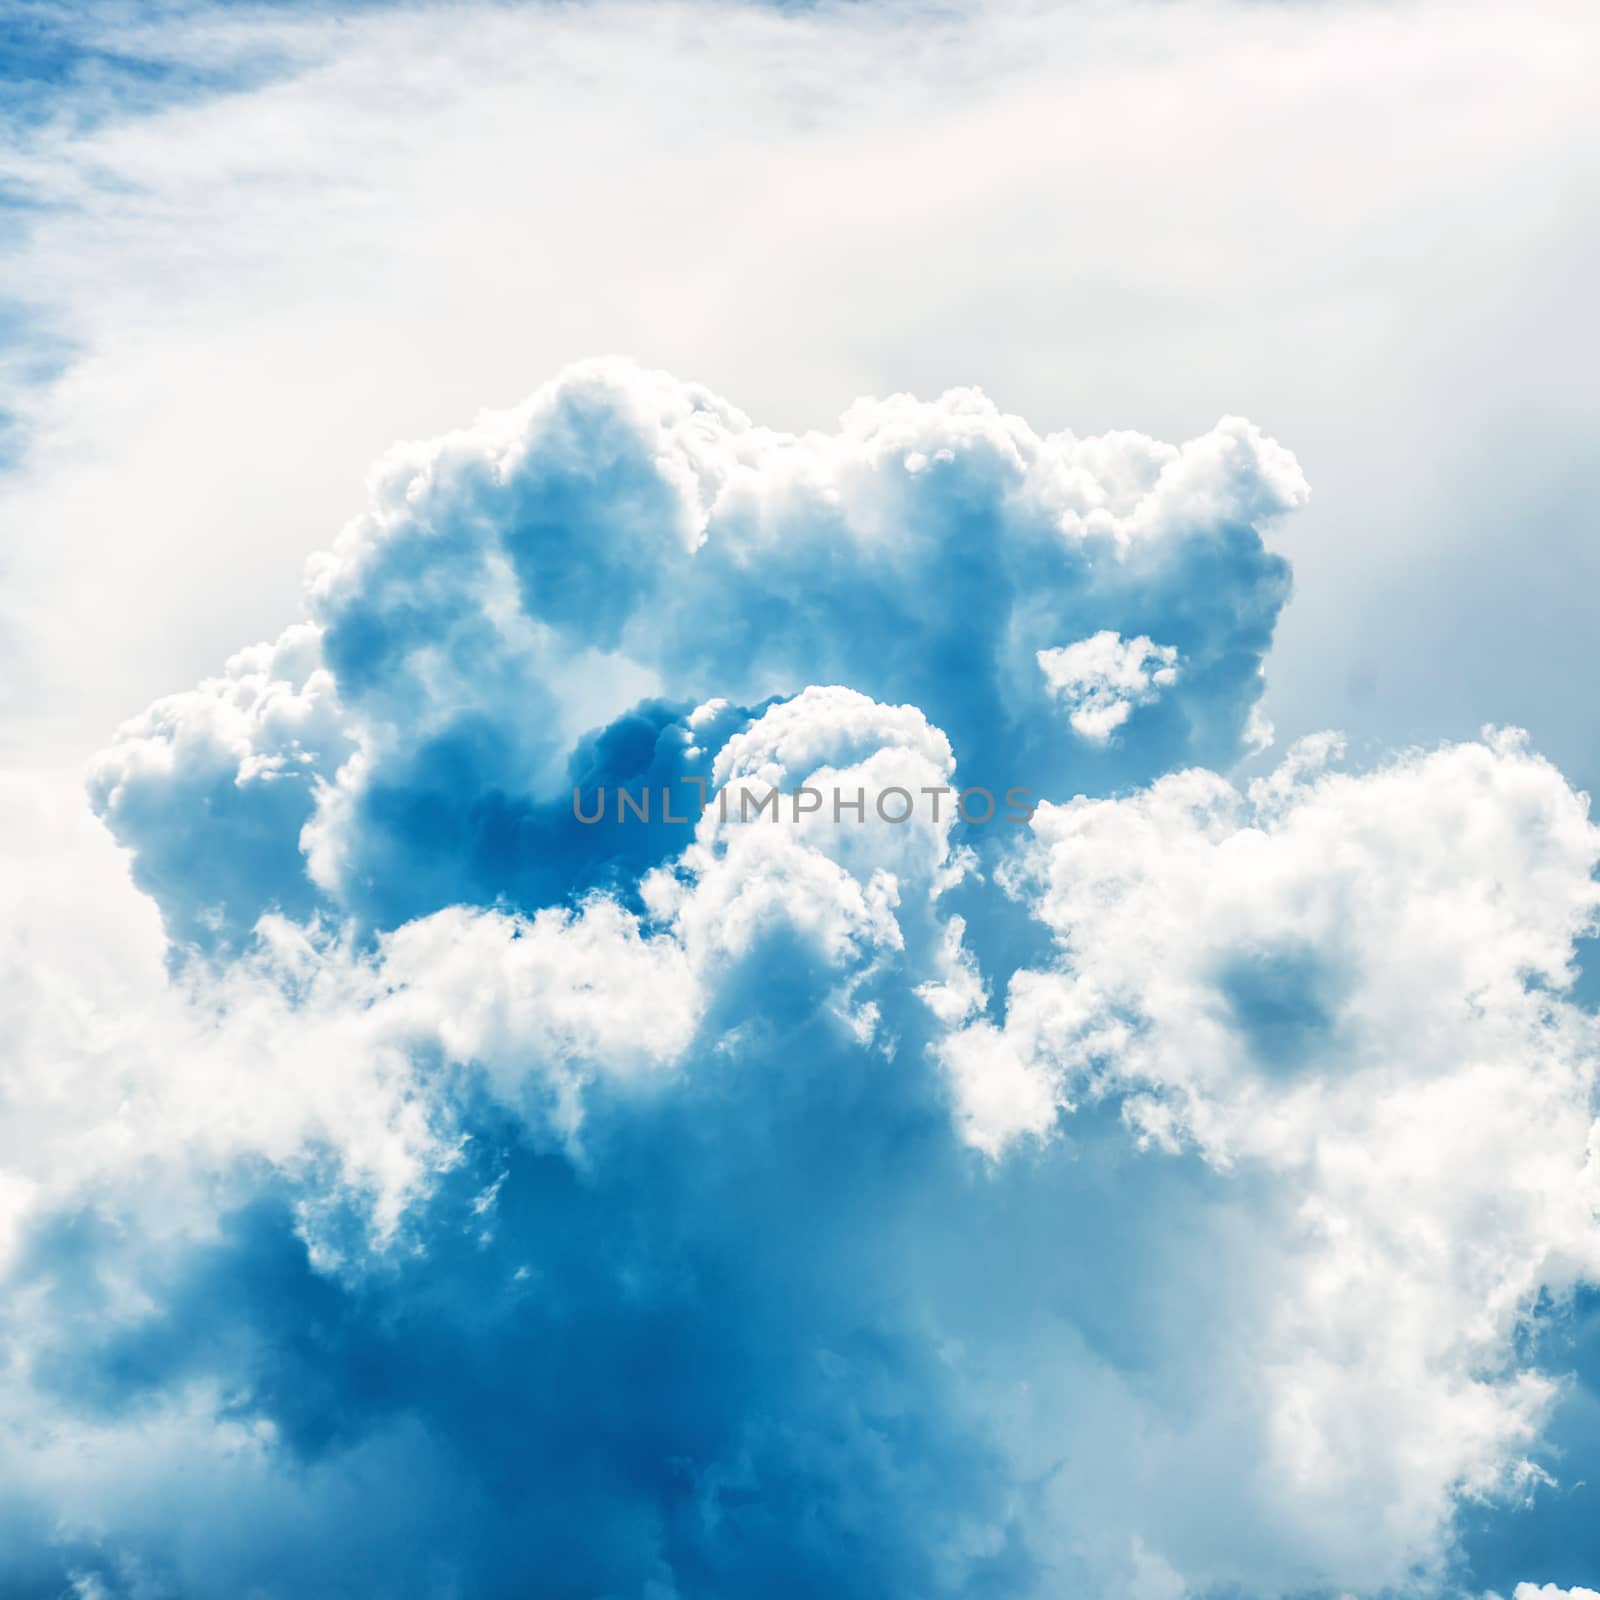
[506, 618]
[418, 1188]
[1350, 987]
[1101, 679]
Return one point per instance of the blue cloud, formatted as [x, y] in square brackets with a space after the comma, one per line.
[700, 1364]
[487, 1201]
[515, 588]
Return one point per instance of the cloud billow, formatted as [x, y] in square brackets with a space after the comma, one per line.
[556, 571]
[467, 1200]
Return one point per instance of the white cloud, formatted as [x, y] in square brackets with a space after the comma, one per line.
[309, 1044]
[702, 555]
[1101, 679]
[1413, 1158]
[1349, 988]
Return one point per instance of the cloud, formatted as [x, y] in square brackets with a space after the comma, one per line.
[501, 623]
[266, 1207]
[414, 1188]
[1101, 679]
[803, 204]
[1350, 987]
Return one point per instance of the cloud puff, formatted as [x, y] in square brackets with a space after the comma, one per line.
[1351, 987]
[1155, 1199]
[1102, 678]
[505, 619]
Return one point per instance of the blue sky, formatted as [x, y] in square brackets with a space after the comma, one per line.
[1179, 414]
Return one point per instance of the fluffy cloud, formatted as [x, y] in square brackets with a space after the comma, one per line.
[1101, 679]
[1350, 988]
[417, 1188]
[504, 620]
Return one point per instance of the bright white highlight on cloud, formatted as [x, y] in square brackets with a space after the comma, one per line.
[1103, 678]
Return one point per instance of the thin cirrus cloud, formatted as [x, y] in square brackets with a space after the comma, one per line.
[423, 1193]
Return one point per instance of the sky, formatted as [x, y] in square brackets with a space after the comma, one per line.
[1172, 420]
